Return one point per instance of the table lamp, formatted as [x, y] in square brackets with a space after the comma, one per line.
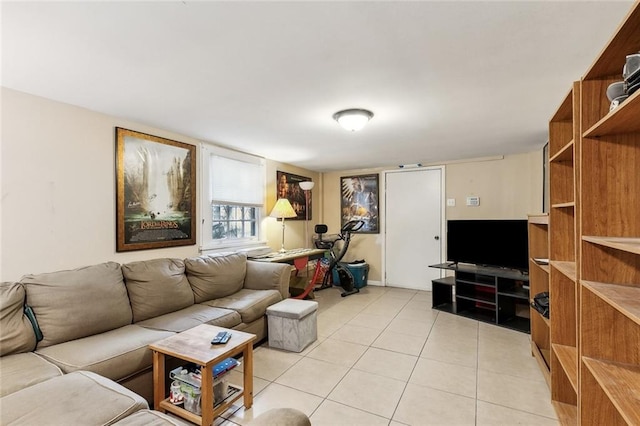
[282, 210]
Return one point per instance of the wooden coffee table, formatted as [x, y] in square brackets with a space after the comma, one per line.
[194, 345]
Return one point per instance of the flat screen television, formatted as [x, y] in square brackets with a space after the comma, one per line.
[496, 242]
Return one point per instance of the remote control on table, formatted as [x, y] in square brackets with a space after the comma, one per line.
[226, 338]
[219, 338]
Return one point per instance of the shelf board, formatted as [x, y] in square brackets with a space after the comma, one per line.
[564, 205]
[621, 383]
[564, 155]
[566, 268]
[539, 219]
[567, 413]
[446, 307]
[631, 245]
[545, 319]
[544, 267]
[623, 119]
[624, 298]
[478, 314]
[476, 298]
[517, 294]
[445, 281]
[475, 283]
[568, 357]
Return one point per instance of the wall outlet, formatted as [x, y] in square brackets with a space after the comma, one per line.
[451, 202]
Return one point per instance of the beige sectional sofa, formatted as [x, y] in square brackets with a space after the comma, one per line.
[97, 322]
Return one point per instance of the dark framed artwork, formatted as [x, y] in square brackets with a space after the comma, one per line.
[359, 201]
[155, 192]
[288, 186]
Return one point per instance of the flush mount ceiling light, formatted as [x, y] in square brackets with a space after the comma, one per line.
[353, 119]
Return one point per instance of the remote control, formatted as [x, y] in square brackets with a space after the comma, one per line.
[218, 339]
[226, 338]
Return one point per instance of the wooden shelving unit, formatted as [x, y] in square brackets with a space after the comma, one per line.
[564, 151]
[594, 244]
[609, 270]
[539, 283]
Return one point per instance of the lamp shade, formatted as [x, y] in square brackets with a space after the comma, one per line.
[283, 209]
[353, 119]
[307, 185]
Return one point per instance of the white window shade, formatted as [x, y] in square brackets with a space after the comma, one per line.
[236, 182]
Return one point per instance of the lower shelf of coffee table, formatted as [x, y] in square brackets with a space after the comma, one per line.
[233, 394]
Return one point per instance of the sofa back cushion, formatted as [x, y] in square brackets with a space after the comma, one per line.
[82, 302]
[17, 334]
[156, 287]
[213, 277]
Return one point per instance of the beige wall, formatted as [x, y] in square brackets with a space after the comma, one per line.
[363, 246]
[58, 191]
[294, 229]
[509, 187]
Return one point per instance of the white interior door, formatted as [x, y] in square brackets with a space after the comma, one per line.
[414, 226]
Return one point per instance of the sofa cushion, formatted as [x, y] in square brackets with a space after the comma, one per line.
[115, 354]
[268, 276]
[156, 287]
[17, 333]
[73, 304]
[192, 316]
[80, 398]
[250, 304]
[212, 277]
[19, 371]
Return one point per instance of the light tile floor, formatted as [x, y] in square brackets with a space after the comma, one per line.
[384, 357]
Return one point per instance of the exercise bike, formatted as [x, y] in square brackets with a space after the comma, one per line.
[346, 278]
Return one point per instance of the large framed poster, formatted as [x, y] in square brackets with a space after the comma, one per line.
[359, 201]
[289, 187]
[155, 192]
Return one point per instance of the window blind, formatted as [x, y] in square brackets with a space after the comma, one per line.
[236, 182]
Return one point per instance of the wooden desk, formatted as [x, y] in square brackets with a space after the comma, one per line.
[194, 345]
[290, 256]
[300, 259]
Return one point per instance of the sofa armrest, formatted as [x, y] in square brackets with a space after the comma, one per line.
[268, 276]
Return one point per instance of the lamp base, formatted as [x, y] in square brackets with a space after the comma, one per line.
[282, 250]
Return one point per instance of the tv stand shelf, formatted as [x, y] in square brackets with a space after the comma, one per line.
[489, 294]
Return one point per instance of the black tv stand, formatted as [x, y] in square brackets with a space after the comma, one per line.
[490, 294]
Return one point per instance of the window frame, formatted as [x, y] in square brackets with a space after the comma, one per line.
[207, 242]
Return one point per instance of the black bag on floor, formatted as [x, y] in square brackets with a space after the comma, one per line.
[541, 303]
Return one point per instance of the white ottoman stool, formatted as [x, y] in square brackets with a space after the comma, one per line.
[292, 324]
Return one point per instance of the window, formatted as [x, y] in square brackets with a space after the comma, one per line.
[233, 198]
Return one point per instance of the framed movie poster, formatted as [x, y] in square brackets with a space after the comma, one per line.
[359, 201]
[288, 187]
[155, 191]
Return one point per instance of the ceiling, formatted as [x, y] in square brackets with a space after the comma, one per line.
[446, 80]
